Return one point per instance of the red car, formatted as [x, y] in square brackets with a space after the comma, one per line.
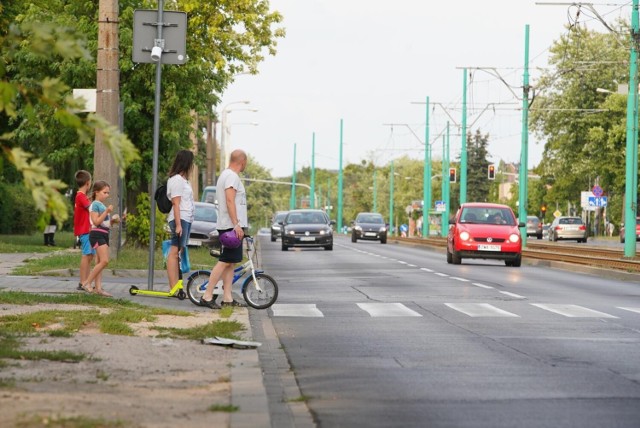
[485, 231]
[622, 232]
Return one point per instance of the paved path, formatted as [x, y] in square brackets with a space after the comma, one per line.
[247, 389]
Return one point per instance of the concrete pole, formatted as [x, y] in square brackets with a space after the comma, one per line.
[524, 148]
[107, 102]
[463, 153]
[340, 181]
[193, 177]
[312, 196]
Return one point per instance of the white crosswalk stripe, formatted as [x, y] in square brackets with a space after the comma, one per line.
[480, 310]
[573, 311]
[388, 310]
[296, 310]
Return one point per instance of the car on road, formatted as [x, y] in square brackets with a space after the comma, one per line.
[307, 228]
[369, 226]
[204, 222]
[485, 231]
[275, 224]
[567, 227]
[534, 226]
[637, 231]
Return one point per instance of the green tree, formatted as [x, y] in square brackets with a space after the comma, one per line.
[477, 164]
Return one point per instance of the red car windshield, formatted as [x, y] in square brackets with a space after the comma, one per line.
[498, 216]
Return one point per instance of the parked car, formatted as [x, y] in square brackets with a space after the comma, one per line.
[275, 224]
[565, 227]
[204, 222]
[534, 226]
[307, 228]
[369, 226]
[485, 231]
[637, 231]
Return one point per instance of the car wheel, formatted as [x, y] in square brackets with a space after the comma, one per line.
[353, 238]
[455, 258]
[449, 257]
[328, 247]
[554, 238]
[517, 261]
[273, 239]
[284, 247]
[383, 240]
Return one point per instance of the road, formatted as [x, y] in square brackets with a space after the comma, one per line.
[392, 336]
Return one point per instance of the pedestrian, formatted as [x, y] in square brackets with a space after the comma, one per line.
[82, 224]
[181, 216]
[50, 231]
[232, 217]
[100, 216]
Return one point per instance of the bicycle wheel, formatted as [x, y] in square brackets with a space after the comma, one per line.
[260, 298]
[196, 285]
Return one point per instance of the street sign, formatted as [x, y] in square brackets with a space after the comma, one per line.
[598, 202]
[557, 213]
[597, 191]
[174, 33]
[441, 206]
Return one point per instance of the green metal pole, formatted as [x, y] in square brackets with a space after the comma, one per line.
[340, 183]
[463, 154]
[391, 200]
[426, 178]
[375, 192]
[631, 188]
[312, 196]
[329, 198]
[445, 186]
[292, 201]
[524, 148]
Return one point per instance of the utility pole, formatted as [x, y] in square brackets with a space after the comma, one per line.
[445, 183]
[107, 103]
[312, 196]
[340, 182]
[292, 201]
[524, 150]
[463, 131]
[631, 189]
[391, 199]
[426, 178]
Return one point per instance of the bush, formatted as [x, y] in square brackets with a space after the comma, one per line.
[139, 225]
[18, 214]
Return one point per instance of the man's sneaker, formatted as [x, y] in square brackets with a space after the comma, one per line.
[234, 303]
[211, 304]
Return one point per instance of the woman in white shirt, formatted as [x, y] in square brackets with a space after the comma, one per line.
[180, 193]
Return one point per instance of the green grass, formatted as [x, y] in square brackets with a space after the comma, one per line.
[228, 408]
[37, 421]
[214, 328]
[11, 348]
[61, 257]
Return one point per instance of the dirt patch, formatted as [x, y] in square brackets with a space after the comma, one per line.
[143, 381]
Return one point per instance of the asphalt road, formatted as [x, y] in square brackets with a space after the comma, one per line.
[392, 336]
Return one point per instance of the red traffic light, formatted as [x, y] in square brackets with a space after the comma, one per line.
[452, 175]
[491, 172]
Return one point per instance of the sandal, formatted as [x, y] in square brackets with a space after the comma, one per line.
[86, 289]
[103, 293]
[233, 303]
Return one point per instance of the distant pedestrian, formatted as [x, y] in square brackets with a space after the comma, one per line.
[180, 193]
[82, 224]
[49, 232]
[99, 236]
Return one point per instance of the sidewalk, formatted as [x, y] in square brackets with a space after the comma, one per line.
[246, 391]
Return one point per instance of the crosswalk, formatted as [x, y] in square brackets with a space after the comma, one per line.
[474, 310]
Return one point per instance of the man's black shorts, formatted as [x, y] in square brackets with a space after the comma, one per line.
[230, 255]
[97, 239]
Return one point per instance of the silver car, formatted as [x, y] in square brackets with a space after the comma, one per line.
[204, 222]
[568, 228]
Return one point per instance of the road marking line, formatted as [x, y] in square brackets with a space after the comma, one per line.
[388, 310]
[457, 278]
[440, 274]
[480, 310]
[426, 270]
[636, 310]
[477, 284]
[410, 265]
[517, 296]
[401, 262]
[572, 311]
[296, 310]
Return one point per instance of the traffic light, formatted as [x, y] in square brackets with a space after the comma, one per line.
[543, 209]
[491, 173]
[452, 175]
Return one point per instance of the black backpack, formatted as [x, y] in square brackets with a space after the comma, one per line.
[164, 204]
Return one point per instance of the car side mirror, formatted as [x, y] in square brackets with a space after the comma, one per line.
[281, 223]
[522, 224]
[332, 222]
[352, 222]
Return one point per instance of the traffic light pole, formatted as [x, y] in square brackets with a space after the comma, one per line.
[524, 150]
[426, 178]
[463, 131]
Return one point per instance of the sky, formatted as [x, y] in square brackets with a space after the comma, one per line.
[372, 63]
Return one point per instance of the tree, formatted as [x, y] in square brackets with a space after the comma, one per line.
[477, 164]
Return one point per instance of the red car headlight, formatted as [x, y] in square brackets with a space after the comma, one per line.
[514, 237]
[464, 236]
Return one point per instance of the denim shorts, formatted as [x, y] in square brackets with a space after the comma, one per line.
[85, 246]
[186, 229]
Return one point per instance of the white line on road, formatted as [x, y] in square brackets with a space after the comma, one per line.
[514, 295]
[410, 265]
[457, 278]
[636, 310]
[440, 274]
[296, 310]
[480, 310]
[572, 311]
[426, 270]
[477, 284]
[388, 310]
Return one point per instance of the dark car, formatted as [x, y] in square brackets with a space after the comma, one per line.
[369, 226]
[275, 224]
[204, 222]
[622, 232]
[307, 228]
[485, 231]
[534, 226]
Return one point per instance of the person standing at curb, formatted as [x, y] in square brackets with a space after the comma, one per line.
[82, 224]
[99, 236]
[232, 216]
[180, 193]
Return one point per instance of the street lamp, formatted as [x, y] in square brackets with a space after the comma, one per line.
[224, 129]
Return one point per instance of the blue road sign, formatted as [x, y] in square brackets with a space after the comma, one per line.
[595, 201]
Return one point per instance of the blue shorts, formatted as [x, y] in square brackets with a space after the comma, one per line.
[186, 229]
[85, 246]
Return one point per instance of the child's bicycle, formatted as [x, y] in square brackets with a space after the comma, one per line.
[259, 290]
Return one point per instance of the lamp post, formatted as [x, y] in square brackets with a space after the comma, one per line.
[224, 130]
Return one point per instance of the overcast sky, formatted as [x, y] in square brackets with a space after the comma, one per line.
[369, 61]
